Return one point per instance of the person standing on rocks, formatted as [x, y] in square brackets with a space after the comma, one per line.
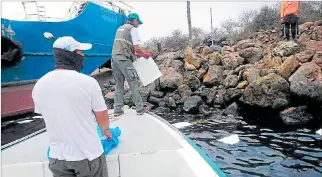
[289, 13]
[126, 48]
[72, 105]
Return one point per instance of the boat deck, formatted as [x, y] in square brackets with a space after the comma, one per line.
[148, 147]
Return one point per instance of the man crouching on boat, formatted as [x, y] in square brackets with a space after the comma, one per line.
[70, 102]
[125, 49]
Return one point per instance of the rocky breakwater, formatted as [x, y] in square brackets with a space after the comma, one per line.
[260, 77]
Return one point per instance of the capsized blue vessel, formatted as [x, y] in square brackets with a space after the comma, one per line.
[95, 24]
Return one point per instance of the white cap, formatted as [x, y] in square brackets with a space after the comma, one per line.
[70, 44]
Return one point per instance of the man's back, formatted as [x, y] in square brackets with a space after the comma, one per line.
[290, 7]
[66, 99]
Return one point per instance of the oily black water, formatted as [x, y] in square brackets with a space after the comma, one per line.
[265, 151]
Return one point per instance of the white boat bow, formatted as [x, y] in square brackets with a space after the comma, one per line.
[149, 147]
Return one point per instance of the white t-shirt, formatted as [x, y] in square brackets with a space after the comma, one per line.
[66, 99]
[135, 36]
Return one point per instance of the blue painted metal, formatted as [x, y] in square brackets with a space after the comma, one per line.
[205, 157]
[96, 24]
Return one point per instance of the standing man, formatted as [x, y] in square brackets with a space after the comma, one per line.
[289, 18]
[125, 50]
[72, 105]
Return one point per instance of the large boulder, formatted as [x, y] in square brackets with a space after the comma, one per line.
[192, 81]
[232, 60]
[318, 23]
[179, 55]
[170, 79]
[305, 26]
[317, 33]
[305, 56]
[304, 38]
[317, 58]
[189, 67]
[208, 95]
[192, 59]
[243, 44]
[271, 91]
[176, 64]
[252, 54]
[156, 94]
[296, 116]
[191, 104]
[184, 90]
[231, 81]
[288, 67]
[273, 63]
[285, 49]
[214, 58]
[251, 75]
[314, 45]
[205, 51]
[214, 76]
[306, 82]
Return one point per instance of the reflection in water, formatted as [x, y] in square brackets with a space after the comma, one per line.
[270, 151]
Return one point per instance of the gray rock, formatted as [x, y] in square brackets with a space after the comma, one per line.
[214, 76]
[243, 44]
[191, 105]
[193, 82]
[232, 60]
[271, 91]
[296, 116]
[285, 49]
[128, 99]
[171, 79]
[155, 100]
[157, 94]
[232, 109]
[306, 82]
[184, 90]
[172, 103]
[252, 54]
[145, 93]
[231, 81]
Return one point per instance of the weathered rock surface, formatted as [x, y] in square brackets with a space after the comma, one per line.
[305, 56]
[191, 104]
[271, 91]
[317, 58]
[288, 67]
[306, 82]
[214, 76]
[285, 49]
[171, 79]
[296, 116]
[251, 55]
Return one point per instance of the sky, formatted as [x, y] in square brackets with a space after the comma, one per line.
[159, 18]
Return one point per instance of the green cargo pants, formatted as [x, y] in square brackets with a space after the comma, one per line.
[123, 69]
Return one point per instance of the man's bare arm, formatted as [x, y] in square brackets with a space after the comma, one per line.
[103, 121]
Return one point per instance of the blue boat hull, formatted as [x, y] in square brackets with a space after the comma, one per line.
[95, 24]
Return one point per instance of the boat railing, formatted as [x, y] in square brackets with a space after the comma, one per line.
[77, 7]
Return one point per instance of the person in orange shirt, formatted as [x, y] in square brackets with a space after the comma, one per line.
[289, 18]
